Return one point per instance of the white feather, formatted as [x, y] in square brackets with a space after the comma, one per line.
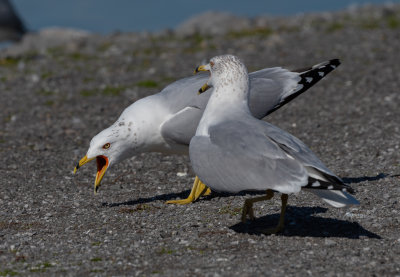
[312, 172]
[335, 198]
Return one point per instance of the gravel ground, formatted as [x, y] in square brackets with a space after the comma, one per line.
[56, 97]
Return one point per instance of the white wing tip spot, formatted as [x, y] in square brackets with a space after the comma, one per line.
[315, 184]
[308, 79]
[333, 66]
[330, 187]
[320, 73]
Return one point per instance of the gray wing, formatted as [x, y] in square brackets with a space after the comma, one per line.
[283, 85]
[183, 100]
[239, 156]
[184, 93]
[270, 89]
[299, 151]
[295, 148]
[255, 155]
[182, 126]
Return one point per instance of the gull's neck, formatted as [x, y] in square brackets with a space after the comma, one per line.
[226, 102]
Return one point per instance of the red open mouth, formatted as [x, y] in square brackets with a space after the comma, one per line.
[102, 161]
[102, 165]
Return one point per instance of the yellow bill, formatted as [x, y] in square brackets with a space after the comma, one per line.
[197, 70]
[201, 68]
[203, 88]
[82, 162]
[102, 165]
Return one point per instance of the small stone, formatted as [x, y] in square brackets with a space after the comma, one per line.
[329, 242]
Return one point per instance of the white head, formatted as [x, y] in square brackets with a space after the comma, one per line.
[117, 142]
[123, 139]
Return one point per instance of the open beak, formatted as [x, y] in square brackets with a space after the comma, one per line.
[102, 165]
[197, 70]
[200, 68]
[82, 162]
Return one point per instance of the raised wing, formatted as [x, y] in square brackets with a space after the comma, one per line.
[270, 89]
[308, 78]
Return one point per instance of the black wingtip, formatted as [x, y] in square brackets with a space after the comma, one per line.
[333, 183]
[317, 72]
[335, 62]
[331, 63]
[309, 77]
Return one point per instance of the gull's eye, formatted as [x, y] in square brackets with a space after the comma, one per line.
[107, 145]
[212, 64]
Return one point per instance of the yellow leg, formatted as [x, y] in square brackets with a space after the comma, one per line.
[248, 205]
[281, 223]
[199, 189]
[248, 210]
[207, 192]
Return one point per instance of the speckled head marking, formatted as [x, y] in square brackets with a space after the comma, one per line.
[226, 70]
[230, 95]
[108, 147]
[137, 130]
[228, 66]
[229, 71]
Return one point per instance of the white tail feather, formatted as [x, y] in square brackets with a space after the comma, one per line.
[336, 198]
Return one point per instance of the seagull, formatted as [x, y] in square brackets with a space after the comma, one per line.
[165, 122]
[233, 151]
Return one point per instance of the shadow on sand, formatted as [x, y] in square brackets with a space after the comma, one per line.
[181, 195]
[163, 197]
[356, 180]
[302, 222]
[299, 221]
[185, 193]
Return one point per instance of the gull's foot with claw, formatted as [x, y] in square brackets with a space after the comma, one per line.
[199, 189]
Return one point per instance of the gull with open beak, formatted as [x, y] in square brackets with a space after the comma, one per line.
[102, 161]
[165, 122]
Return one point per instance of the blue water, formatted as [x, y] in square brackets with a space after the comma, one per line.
[104, 16]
